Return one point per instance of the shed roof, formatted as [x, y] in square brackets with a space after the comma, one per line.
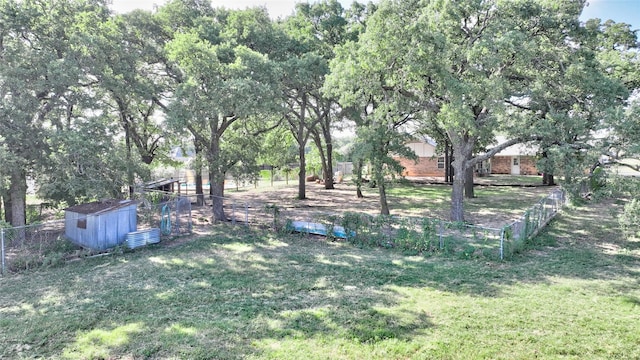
[100, 207]
[159, 183]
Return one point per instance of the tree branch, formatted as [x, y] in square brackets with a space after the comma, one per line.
[490, 153]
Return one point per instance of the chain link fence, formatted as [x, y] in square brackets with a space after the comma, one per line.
[516, 234]
[33, 246]
[410, 234]
[27, 247]
[169, 212]
[45, 244]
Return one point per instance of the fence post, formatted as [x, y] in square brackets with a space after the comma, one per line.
[441, 230]
[177, 204]
[2, 245]
[502, 244]
[233, 213]
[246, 214]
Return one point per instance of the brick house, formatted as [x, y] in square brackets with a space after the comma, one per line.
[429, 163]
[519, 159]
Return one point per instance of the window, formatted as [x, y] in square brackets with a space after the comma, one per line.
[82, 223]
[516, 161]
[441, 162]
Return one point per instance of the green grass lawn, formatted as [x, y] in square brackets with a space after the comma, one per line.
[493, 201]
[498, 179]
[247, 294]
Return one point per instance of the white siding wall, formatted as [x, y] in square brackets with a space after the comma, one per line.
[422, 149]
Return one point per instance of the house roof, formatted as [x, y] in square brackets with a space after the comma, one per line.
[525, 149]
[424, 139]
[180, 154]
[100, 207]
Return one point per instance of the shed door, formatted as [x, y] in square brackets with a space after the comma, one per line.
[515, 165]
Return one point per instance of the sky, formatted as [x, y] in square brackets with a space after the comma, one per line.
[277, 8]
[627, 11]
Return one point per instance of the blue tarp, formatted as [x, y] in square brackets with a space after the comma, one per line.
[319, 229]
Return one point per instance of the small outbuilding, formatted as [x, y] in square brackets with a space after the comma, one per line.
[165, 185]
[101, 225]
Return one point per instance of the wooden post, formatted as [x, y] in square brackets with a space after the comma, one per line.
[2, 249]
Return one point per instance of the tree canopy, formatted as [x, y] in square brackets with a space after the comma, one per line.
[479, 68]
[91, 100]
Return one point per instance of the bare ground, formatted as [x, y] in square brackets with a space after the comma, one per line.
[343, 199]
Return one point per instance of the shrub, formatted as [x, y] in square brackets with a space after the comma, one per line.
[274, 210]
[629, 220]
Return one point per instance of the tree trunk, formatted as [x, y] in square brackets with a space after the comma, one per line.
[384, 205]
[357, 171]
[217, 195]
[323, 162]
[216, 176]
[130, 174]
[328, 180]
[199, 186]
[457, 192]
[301, 134]
[468, 184]
[448, 160]
[463, 145]
[325, 159]
[547, 179]
[198, 177]
[302, 175]
[18, 194]
[7, 208]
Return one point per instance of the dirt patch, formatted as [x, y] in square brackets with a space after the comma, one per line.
[343, 199]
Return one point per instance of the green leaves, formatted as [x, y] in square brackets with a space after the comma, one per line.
[44, 72]
[464, 69]
[224, 96]
[78, 170]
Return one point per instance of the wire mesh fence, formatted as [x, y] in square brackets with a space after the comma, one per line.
[169, 212]
[410, 234]
[235, 212]
[42, 244]
[50, 243]
[26, 247]
[516, 234]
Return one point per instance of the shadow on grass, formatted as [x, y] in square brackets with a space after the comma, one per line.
[210, 298]
[631, 300]
[216, 297]
[495, 205]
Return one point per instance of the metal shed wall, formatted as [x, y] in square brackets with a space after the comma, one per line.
[102, 230]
